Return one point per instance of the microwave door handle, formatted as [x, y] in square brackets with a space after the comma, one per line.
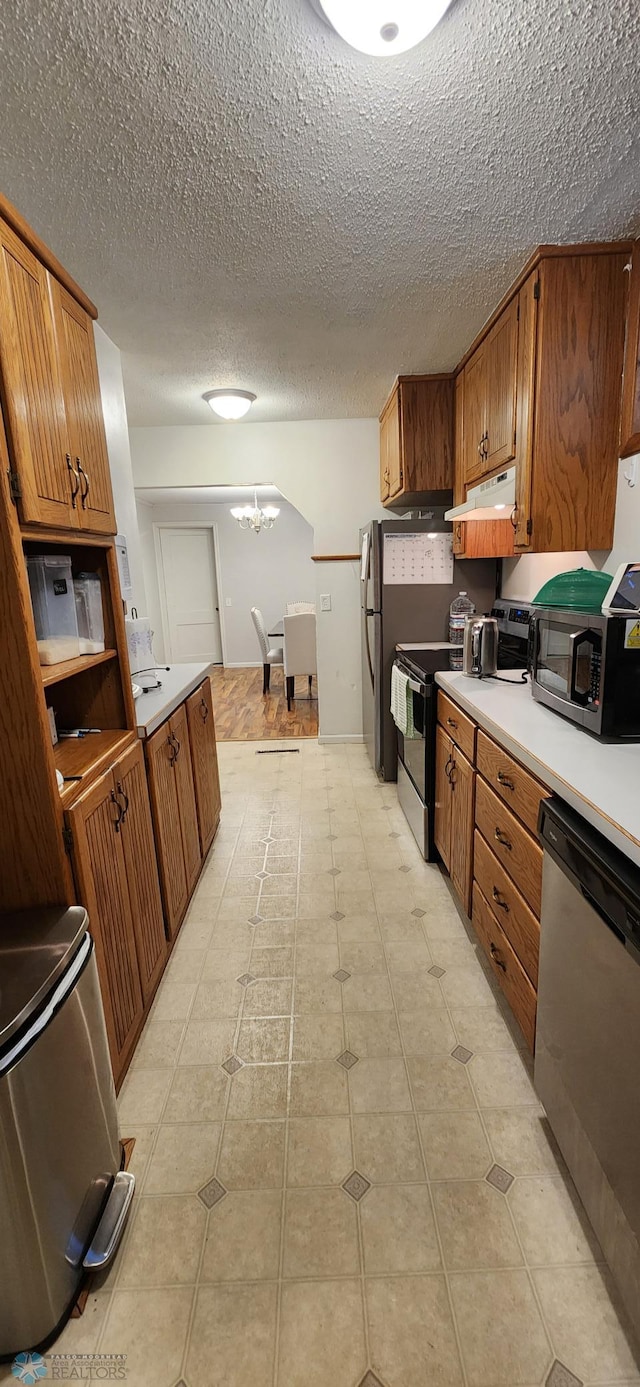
[576, 639]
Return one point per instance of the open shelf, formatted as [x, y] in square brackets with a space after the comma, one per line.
[52, 674]
[84, 758]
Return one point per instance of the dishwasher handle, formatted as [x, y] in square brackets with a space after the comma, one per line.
[606, 919]
[606, 878]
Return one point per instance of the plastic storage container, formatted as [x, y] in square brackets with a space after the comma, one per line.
[88, 595]
[460, 609]
[54, 607]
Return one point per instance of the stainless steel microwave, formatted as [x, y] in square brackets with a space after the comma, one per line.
[587, 666]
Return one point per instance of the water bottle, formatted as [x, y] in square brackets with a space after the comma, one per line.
[460, 609]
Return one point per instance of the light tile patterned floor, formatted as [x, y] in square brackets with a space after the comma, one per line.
[372, 1196]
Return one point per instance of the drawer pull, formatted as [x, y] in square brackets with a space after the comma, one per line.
[504, 780]
[499, 900]
[495, 954]
[500, 838]
[451, 722]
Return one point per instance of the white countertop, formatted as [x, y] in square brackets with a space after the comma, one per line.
[599, 780]
[177, 683]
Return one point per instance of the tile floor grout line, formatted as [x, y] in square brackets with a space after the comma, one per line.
[414, 1111]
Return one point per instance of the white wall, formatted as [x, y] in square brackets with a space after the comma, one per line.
[328, 470]
[115, 421]
[266, 570]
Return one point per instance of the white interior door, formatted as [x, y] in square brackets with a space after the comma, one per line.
[190, 595]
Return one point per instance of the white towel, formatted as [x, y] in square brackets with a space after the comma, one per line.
[402, 702]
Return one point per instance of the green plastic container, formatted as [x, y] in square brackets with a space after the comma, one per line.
[580, 590]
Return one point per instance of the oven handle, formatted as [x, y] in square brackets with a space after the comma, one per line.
[417, 688]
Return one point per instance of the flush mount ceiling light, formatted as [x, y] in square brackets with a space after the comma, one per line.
[382, 27]
[255, 517]
[229, 404]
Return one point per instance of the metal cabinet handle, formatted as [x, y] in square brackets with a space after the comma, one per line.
[75, 480]
[84, 482]
[450, 762]
[500, 838]
[175, 747]
[495, 954]
[120, 792]
[204, 709]
[503, 779]
[172, 751]
[451, 722]
[499, 900]
[514, 517]
[117, 822]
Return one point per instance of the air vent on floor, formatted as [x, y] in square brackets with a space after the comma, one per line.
[280, 751]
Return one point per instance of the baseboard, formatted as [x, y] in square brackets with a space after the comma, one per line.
[329, 739]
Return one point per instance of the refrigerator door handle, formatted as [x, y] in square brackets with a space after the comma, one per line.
[367, 614]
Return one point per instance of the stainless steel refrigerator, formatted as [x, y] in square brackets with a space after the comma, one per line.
[404, 612]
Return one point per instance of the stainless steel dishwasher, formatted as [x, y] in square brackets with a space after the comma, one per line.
[63, 1197]
[587, 1065]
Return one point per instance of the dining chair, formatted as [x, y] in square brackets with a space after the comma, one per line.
[299, 650]
[270, 655]
[296, 608]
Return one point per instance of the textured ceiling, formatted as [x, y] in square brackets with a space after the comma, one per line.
[252, 203]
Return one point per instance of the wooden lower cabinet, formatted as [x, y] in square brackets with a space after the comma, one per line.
[204, 761]
[454, 808]
[505, 966]
[116, 878]
[175, 818]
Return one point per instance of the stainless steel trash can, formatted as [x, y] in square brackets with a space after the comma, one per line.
[63, 1200]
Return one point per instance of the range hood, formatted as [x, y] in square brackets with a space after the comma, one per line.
[491, 500]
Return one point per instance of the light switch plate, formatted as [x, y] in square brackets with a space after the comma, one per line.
[227, 601]
[325, 602]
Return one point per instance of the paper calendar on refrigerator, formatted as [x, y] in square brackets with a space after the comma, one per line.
[417, 558]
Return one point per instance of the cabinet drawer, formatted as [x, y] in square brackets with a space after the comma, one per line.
[458, 726]
[516, 919]
[512, 844]
[507, 777]
[505, 967]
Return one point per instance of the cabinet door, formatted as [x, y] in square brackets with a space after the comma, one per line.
[391, 426]
[442, 819]
[83, 406]
[459, 527]
[186, 797]
[32, 395]
[142, 870]
[384, 460]
[475, 464]
[204, 760]
[101, 880]
[462, 777]
[630, 412]
[501, 370]
[160, 755]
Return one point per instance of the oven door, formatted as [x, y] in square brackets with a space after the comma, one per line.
[412, 750]
[566, 673]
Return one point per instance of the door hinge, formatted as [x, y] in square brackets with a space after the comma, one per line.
[14, 485]
[67, 838]
[529, 527]
[518, 312]
[536, 289]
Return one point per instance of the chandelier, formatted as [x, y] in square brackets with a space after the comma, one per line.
[255, 517]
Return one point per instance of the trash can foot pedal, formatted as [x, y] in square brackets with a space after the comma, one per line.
[111, 1225]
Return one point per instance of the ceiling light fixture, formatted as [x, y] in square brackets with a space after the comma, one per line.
[382, 27]
[229, 404]
[255, 517]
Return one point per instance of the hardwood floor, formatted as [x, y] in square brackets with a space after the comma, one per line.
[243, 714]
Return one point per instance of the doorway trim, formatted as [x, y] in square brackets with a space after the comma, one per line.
[188, 525]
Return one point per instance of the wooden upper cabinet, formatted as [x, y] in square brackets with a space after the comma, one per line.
[416, 441]
[630, 413]
[100, 872]
[501, 362]
[32, 391]
[141, 867]
[475, 413]
[83, 408]
[204, 760]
